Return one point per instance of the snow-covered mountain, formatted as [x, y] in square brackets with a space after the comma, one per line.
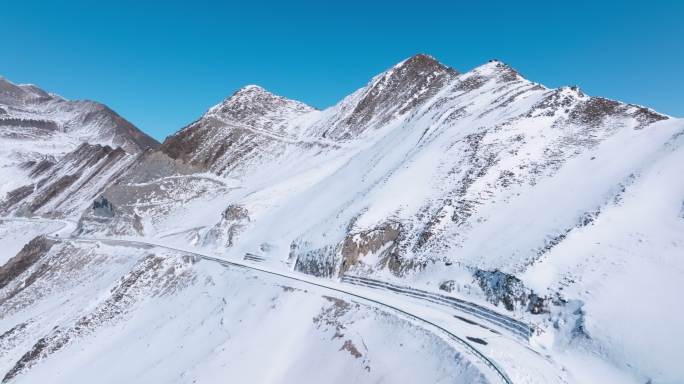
[52, 149]
[35, 114]
[559, 208]
[251, 126]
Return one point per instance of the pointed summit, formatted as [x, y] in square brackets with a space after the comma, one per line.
[252, 101]
[250, 118]
[249, 93]
[252, 90]
[12, 94]
[416, 66]
[421, 62]
[400, 89]
[497, 68]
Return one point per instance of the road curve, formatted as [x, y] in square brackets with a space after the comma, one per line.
[495, 369]
[516, 327]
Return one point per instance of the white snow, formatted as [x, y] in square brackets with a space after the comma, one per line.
[490, 172]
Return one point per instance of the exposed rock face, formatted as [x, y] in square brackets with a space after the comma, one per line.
[41, 167]
[15, 196]
[39, 130]
[24, 260]
[595, 110]
[23, 128]
[52, 190]
[251, 124]
[316, 262]
[29, 107]
[63, 188]
[502, 288]
[378, 242]
[396, 92]
[361, 252]
[157, 179]
[102, 207]
[233, 220]
[393, 95]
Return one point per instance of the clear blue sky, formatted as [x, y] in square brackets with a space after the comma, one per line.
[162, 64]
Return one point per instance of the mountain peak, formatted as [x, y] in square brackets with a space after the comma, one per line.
[87, 120]
[249, 94]
[497, 68]
[420, 64]
[251, 116]
[252, 100]
[399, 89]
[420, 60]
[11, 93]
[251, 89]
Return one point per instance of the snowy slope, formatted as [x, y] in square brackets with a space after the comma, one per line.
[250, 127]
[562, 208]
[37, 129]
[69, 186]
[114, 314]
[44, 114]
[475, 143]
[626, 266]
[423, 176]
[14, 235]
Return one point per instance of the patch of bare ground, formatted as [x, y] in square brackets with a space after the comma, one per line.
[332, 317]
[351, 348]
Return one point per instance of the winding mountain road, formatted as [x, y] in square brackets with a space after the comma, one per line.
[354, 287]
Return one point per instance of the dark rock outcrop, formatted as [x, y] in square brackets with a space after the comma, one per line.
[318, 262]
[398, 91]
[102, 207]
[82, 172]
[233, 220]
[447, 285]
[28, 256]
[41, 167]
[15, 196]
[502, 288]
[357, 244]
[249, 124]
[29, 112]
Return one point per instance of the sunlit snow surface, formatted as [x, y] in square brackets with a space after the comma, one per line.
[580, 198]
[113, 314]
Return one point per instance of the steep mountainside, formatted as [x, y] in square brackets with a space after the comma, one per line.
[250, 127]
[42, 137]
[478, 181]
[27, 111]
[69, 186]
